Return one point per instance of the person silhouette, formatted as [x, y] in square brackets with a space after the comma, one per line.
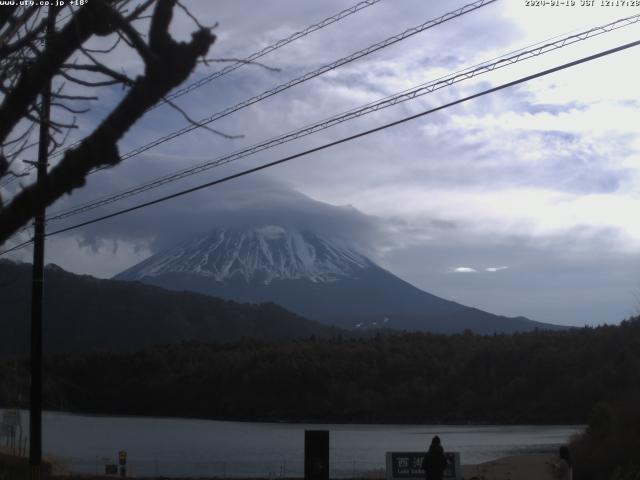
[434, 463]
[562, 468]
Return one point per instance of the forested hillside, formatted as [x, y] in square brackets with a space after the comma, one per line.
[536, 377]
[83, 313]
[609, 449]
[314, 276]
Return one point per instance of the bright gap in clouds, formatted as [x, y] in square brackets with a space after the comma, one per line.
[464, 270]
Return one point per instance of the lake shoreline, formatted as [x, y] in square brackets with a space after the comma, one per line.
[338, 421]
[81, 444]
[531, 466]
[534, 466]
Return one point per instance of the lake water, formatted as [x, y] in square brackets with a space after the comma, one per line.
[176, 447]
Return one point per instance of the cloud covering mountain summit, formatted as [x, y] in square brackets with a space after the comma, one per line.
[261, 254]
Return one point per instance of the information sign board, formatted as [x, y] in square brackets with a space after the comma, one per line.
[407, 465]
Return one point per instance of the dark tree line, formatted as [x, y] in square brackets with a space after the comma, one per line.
[83, 313]
[584, 376]
[538, 377]
[610, 447]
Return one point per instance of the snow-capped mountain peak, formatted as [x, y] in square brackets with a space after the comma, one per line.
[312, 275]
[260, 254]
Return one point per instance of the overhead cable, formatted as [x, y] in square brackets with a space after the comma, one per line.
[234, 66]
[308, 76]
[343, 140]
[274, 46]
[298, 80]
[301, 79]
[404, 96]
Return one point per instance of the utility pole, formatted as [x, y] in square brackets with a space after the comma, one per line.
[35, 407]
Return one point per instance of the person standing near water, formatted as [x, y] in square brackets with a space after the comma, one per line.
[434, 463]
[562, 468]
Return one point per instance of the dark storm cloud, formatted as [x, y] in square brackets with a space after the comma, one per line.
[248, 202]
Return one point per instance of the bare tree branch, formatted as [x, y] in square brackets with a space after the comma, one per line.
[139, 10]
[194, 122]
[16, 24]
[8, 49]
[88, 83]
[89, 20]
[73, 97]
[70, 109]
[6, 15]
[192, 17]
[106, 50]
[132, 36]
[100, 68]
[167, 64]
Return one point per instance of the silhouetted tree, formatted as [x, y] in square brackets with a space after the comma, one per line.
[38, 45]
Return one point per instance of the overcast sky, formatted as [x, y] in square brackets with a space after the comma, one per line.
[523, 202]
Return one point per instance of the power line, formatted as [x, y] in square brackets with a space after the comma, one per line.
[308, 76]
[298, 80]
[280, 43]
[17, 247]
[230, 68]
[442, 82]
[354, 56]
[346, 139]
[10, 180]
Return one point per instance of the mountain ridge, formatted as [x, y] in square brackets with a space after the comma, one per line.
[313, 276]
[84, 313]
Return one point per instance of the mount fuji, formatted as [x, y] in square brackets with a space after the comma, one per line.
[314, 276]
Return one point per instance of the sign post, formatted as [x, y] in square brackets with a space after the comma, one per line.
[122, 459]
[316, 455]
[408, 465]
